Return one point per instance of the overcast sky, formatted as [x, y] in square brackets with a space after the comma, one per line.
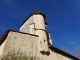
[62, 16]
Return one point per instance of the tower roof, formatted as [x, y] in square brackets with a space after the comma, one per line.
[33, 13]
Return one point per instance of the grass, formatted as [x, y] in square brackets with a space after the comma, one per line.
[18, 56]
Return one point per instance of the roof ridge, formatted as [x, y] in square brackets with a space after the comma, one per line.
[63, 52]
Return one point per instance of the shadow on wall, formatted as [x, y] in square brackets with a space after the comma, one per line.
[46, 53]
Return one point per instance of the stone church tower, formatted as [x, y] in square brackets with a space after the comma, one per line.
[36, 25]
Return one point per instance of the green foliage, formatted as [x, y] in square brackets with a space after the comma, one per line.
[18, 56]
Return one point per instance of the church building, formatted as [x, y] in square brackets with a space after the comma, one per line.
[34, 38]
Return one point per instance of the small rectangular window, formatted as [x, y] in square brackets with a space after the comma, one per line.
[32, 29]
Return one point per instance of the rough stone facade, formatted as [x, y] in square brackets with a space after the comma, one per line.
[26, 27]
[29, 44]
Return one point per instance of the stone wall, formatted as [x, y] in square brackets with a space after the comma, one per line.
[25, 28]
[2, 48]
[29, 44]
[18, 41]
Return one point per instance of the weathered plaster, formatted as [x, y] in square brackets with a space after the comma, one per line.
[41, 32]
[39, 29]
[2, 48]
[29, 45]
[25, 28]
